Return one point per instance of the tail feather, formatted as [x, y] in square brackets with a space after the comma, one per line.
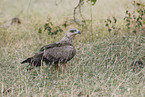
[28, 60]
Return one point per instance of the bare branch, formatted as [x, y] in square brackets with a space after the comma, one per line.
[78, 6]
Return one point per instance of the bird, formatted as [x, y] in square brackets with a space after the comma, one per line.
[58, 53]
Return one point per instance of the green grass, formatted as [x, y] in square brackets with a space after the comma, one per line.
[101, 66]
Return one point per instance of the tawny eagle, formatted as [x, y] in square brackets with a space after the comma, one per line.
[58, 53]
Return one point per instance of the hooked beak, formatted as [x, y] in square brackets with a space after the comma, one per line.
[79, 32]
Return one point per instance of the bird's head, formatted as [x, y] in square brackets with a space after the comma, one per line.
[72, 32]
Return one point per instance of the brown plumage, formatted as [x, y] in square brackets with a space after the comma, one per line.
[59, 52]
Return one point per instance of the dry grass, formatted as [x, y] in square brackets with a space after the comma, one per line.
[100, 68]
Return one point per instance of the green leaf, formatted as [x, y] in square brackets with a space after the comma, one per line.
[109, 20]
[109, 30]
[126, 11]
[115, 20]
[134, 17]
[128, 24]
[134, 31]
[113, 27]
[40, 30]
[127, 20]
[92, 2]
[128, 27]
[137, 19]
[140, 24]
[107, 25]
[138, 4]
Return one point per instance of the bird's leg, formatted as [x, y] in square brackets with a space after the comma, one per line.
[56, 66]
[60, 67]
[63, 68]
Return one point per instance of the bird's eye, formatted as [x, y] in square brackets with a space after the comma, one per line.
[73, 31]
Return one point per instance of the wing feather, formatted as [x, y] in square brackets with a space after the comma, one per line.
[55, 45]
[59, 52]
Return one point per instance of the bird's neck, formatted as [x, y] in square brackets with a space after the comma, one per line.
[68, 39]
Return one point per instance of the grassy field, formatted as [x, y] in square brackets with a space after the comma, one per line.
[101, 67]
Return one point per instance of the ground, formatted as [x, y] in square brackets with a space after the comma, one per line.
[101, 67]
